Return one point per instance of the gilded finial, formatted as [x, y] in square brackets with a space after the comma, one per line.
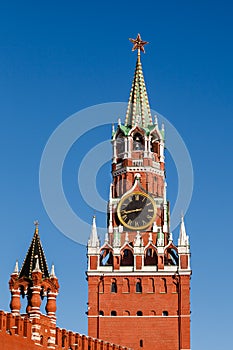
[138, 44]
[36, 223]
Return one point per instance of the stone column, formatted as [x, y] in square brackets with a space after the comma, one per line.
[15, 304]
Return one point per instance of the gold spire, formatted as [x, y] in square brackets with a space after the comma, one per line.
[36, 223]
[138, 111]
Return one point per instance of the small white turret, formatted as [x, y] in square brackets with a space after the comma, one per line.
[155, 227]
[138, 240]
[150, 238]
[16, 269]
[117, 237]
[183, 237]
[160, 239]
[37, 266]
[94, 239]
[52, 273]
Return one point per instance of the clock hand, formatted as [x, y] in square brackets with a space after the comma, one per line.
[130, 211]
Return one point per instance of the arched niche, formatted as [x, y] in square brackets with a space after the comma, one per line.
[106, 257]
[171, 257]
[127, 258]
[138, 142]
[150, 257]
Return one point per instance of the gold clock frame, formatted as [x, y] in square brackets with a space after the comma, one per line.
[124, 198]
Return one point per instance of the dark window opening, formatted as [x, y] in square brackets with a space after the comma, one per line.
[114, 287]
[141, 343]
[113, 313]
[151, 258]
[138, 287]
[126, 253]
[101, 313]
[127, 258]
[106, 257]
[139, 313]
[171, 257]
[165, 313]
[138, 143]
[120, 145]
[63, 342]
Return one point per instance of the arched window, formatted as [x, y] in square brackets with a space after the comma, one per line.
[138, 286]
[150, 258]
[120, 145]
[114, 286]
[113, 313]
[138, 143]
[165, 313]
[41, 340]
[127, 257]
[106, 258]
[101, 313]
[139, 313]
[171, 257]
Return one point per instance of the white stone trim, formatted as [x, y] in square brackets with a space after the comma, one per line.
[146, 169]
[138, 272]
[144, 316]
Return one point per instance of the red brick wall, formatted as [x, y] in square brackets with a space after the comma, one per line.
[16, 333]
[155, 330]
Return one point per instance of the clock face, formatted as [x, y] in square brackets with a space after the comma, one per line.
[136, 211]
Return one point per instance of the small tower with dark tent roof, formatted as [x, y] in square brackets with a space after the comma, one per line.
[35, 282]
[139, 279]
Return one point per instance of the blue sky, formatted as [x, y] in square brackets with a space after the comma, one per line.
[59, 57]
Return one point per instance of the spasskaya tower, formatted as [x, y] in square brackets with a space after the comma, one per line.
[139, 279]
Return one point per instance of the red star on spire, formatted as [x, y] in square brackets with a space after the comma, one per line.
[138, 43]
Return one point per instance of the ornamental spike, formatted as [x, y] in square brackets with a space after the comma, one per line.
[94, 240]
[16, 269]
[37, 266]
[52, 273]
[183, 238]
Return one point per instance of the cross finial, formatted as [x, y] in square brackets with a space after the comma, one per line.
[138, 44]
